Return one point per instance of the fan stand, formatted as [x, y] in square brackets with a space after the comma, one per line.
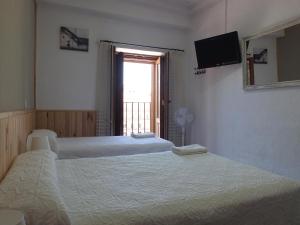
[183, 136]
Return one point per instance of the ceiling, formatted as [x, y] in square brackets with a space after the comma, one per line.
[191, 4]
[179, 2]
[175, 13]
[186, 6]
[187, 2]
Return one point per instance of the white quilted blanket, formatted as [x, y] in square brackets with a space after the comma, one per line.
[31, 187]
[166, 189]
[89, 147]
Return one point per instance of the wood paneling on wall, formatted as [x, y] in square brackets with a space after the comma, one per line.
[14, 129]
[67, 123]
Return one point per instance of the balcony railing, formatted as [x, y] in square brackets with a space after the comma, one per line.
[137, 117]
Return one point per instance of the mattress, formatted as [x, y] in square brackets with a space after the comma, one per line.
[88, 147]
[166, 189]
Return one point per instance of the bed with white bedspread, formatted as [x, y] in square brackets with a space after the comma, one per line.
[89, 147]
[149, 189]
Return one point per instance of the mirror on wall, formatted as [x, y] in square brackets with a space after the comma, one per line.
[272, 59]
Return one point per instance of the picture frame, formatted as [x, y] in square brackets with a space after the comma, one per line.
[260, 55]
[75, 39]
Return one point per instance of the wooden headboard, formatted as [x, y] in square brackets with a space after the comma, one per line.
[14, 129]
[67, 123]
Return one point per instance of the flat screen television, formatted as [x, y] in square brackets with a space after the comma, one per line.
[218, 51]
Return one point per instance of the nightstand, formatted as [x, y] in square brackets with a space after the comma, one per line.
[11, 217]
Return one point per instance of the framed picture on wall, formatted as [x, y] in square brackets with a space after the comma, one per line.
[75, 39]
[260, 55]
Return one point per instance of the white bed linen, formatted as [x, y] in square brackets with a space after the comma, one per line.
[89, 147]
[166, 189]
[31, 187]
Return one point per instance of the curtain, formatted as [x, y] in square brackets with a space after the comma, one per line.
[103, 86]
[176, 93]
[164, 96]
[117, 94]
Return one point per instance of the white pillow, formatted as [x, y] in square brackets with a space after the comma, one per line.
[45, 132]
[31, 187]
[42, 133]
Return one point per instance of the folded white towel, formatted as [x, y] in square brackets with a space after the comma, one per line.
[189, 149]
[143, 135]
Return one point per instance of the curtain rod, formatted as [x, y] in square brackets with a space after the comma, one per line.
[146, 46]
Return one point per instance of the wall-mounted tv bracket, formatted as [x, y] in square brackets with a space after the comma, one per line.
[199, 72]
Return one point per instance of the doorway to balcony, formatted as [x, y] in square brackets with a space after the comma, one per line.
[137, 98]
[140, 94]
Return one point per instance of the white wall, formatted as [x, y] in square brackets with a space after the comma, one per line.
[256, 127]
[17, 20]
[67, 79]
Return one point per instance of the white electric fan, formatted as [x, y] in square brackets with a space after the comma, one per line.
[183, 117]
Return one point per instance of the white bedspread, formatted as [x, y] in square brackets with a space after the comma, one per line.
[31, 187]
[166, 189]
[89, 147]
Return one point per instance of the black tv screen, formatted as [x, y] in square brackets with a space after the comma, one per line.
[218, 51]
